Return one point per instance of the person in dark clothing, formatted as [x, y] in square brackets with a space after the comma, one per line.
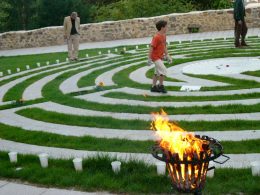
[240, 23]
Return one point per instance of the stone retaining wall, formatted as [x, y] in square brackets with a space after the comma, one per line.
[213, 20]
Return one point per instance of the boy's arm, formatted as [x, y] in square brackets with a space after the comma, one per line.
[150, 61]
[169, 58]
[166, 50]
[150, 52]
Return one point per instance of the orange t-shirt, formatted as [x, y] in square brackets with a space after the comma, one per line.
[158, 44]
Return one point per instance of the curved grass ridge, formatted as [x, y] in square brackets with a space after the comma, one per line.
[111, 123]
[135, 177]
[102, 144]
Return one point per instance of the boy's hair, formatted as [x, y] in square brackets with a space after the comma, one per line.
[160, 24]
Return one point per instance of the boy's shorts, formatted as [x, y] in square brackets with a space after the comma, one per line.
[160, 69]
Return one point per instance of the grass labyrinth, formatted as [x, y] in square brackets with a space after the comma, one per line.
[64, 109]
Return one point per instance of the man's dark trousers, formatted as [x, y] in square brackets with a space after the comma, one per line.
[240, 31]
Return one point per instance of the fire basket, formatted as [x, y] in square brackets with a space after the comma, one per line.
[187, 156]
[188, 171]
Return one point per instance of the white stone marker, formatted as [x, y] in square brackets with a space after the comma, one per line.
[1, 74]
[147, 46]
[57, 61]
[161, 168]
[179, 42]
[9, 71]
[86, 55]
[44, 160]
[13, 157]
[210, 173]
[255, 166]
[78, 164]
[27, 67]
[67, 59]
[47, 63]
[99, 53]
[136, 47]
[124, 48]
[18, 70]
[225, 38]
[109, 52]
[116, 166]
[116, 50]
[38, 64]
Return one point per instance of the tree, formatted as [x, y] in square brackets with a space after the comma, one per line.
[4, 14]
[211, 4]
[126, 9]
[52, 12]
[21, 14]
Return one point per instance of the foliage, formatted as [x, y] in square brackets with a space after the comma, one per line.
[31, 14]
[135, 8]
[4, 13]
[58, 9]
[212, 4]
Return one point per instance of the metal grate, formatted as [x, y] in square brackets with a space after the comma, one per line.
[189, 175]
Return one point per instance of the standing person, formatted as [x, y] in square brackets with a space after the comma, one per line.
[71, 34]
[240, 23]
[158, 51]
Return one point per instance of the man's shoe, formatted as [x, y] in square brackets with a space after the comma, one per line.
[244, 44]
[162, 89]
[238, 46]
[155, 89]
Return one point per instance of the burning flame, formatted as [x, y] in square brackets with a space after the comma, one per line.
[174, 139]
[177, 142]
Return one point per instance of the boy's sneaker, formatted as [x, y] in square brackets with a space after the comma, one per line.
[155, 89]
[162, 89]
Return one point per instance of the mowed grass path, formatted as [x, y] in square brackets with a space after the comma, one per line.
[134, 177]
[102, 144]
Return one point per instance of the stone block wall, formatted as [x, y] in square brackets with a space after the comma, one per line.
[212, 20]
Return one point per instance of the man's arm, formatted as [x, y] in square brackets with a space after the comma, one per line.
[79, 23]
[239, 10]
[65, 28]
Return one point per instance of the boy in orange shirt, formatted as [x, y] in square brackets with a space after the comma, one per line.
[158, 51]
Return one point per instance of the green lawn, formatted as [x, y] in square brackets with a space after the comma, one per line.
[13, 62]
[108, 122]
[165, 98]
[134, 177]
[101, 144]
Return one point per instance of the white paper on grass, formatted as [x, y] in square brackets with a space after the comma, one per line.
[190, 88]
